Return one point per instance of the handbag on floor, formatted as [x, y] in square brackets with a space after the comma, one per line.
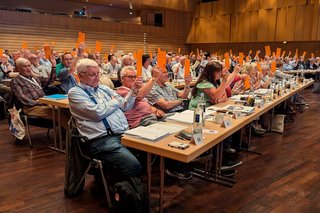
[16, 126]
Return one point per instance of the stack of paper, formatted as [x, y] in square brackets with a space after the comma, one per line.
[244, 109]
[183, 117]
[154, 131]
[261, 91]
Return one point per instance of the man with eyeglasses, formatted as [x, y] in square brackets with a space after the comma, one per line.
[37, 69]
[67, 76]
[142, 113]
[98, 112]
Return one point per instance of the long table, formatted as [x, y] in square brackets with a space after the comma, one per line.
[162, 149]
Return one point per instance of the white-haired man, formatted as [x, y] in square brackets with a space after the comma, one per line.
[28, 89]
[98, 112]
[142, 112]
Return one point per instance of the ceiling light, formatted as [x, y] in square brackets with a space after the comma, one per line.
[130, 13]
[284, 42]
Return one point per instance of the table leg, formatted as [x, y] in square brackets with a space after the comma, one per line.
[162, 166]
[149, 155]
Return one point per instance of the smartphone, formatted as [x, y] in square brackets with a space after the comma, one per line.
[178, 145]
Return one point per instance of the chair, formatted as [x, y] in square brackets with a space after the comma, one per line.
[79, 162]
[31, 120]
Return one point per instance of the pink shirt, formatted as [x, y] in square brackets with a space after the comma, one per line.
[140, 109]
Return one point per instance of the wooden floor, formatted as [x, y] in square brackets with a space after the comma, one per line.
[285, 178]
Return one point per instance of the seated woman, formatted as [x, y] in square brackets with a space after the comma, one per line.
[209, 83]
[250, 74]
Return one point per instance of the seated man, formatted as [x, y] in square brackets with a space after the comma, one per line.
[66, 76]
[37, 69]
[165, 97]
[5, 69]
[141, 113]
[28, 89]
[99, 116]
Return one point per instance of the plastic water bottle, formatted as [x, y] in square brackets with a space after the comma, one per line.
[202, 104]
[197, 120]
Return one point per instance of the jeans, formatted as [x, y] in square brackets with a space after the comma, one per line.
[110, 150]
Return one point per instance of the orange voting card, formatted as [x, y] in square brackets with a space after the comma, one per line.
[273, 66]
[304, 53]
[283, 53]
[273, 54]
[81, 37]
[179, 50]
[247, 82]
[150, 54]
[186, 67]
[162, 60]
[268, 50]
[312, 55]
[47, 51]
[24, 45]
[278, 52]
[257, 53]
[259, 67]
[241, 58]
[227, 61]
[139, 63]
[198, 53]
[98, 46]
[296, 54]
[1, 52]
[250, 52]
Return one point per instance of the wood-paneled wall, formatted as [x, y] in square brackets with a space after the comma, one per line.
[38, 29]
[256, 21]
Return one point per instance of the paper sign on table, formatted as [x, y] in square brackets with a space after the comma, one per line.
[197, 138]
[226, 123]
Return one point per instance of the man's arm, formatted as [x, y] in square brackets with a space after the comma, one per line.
[86, 109]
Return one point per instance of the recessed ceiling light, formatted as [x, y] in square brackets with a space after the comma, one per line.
[110, 4]
[284, 42]
[130, 13]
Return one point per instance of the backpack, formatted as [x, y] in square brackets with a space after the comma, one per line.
[131, 196]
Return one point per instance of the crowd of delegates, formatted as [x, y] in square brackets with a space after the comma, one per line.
[107, 97]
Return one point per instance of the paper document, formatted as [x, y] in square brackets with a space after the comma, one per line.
[184, 117]
[244, 109]
[147, 133]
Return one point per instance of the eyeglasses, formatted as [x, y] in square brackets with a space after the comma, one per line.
[131, 76]
[92, 75]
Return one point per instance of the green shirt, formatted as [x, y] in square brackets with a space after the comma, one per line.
[200, 89]
[58, 68]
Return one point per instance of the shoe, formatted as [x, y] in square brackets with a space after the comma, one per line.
[228, 173]
[227, 164]
[181, 175]
[229, 151]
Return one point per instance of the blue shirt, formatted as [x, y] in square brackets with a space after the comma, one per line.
[66, 79]
[89, 115]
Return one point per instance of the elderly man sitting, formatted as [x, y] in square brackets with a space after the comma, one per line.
[28, 89]
[141, 113]
[165, 97]
[99, 116]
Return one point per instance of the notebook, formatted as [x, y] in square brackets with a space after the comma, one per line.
[56, 96]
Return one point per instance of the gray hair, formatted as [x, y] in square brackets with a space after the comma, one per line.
[21, 61]
[84, 63]
[124, 70]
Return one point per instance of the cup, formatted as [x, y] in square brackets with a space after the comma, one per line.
[218, 118]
